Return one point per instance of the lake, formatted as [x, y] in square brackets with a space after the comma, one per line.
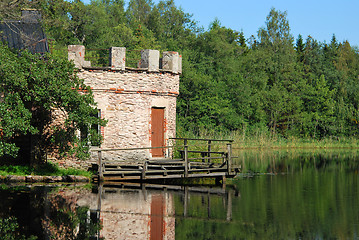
[300, 194]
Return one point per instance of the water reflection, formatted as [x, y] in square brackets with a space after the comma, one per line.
[134, 211]
[130, 211]
[316, 198]
[44, 212]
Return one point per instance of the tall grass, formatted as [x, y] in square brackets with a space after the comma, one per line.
[47, 169]
[266, 152]
[294, 160]
[264, 139]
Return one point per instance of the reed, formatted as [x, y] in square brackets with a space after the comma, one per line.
[265, 152]
[263, 139]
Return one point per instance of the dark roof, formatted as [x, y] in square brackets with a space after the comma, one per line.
[25, 34]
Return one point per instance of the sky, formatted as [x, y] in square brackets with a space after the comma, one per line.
[317, 18]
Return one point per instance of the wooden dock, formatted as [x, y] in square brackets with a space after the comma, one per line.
[190, 164]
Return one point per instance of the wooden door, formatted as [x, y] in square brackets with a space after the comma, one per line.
[157, 131]
[157, 223]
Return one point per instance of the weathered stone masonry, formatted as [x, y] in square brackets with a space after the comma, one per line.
[126, 97]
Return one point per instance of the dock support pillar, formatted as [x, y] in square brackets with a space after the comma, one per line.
[185, 204]
[144, 169]
[209, 150]
[229, 158]
[229, 206]
[185, 158]
[100, 168]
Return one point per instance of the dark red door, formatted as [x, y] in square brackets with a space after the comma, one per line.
[157, 131]
[157, 210]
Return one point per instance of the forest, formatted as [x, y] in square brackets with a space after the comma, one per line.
[273, 83]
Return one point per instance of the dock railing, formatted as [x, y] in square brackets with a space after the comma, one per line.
[208, 156]
[194, 159]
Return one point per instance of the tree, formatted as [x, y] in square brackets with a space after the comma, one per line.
[318, 108]
[277, 31]
[299, 48]
[172, 27]
[10, 9]
[34, 89]
[139, 11]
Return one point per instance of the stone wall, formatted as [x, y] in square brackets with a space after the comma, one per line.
[126, 96]
[125, 99]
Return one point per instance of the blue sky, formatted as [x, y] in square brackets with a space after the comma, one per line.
[317, 18]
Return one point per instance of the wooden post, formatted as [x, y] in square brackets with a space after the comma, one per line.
[98, 210]
[99, 164]
[144, 191]
[185, 204]
[209, 206]
[144, 169]
[229, 158]
[209, 150]
[168, 149]
[224, 179]
[229, 206]
[185, 158]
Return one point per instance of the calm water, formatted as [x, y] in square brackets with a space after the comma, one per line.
[308, 195]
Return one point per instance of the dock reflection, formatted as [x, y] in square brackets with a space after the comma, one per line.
[138, 211]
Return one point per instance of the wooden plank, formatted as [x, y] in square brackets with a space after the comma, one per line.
[174, 176]
[129, 149]
[208, 170]
[203, 164]
[209, 158]
[179, 161]
[197, 151]
[123, 166]
[165, 167]
[122, 172]
[204, 139]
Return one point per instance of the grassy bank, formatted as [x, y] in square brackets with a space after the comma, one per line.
[275, 141]
[296, 160]
[267, 140]
[263, 152]
[47, 169]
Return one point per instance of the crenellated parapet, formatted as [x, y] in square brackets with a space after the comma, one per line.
[150, 60]
[139, 102]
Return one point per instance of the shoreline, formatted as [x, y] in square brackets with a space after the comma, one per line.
[44, 179]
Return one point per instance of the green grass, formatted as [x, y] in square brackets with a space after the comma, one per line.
[275, 142]
[47, 169]
[262, 139]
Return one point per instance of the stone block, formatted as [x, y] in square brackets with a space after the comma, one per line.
[76, 53]
[180, 64]
[150, 59]
[52, 179]
[73, 178]
[118, 58]
[12, 178]
[87, 64]
[32, 179]
[170, 62]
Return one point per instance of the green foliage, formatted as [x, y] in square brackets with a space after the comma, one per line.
[33, 89]
[45, 169]
[302, 89]
[9, 230]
